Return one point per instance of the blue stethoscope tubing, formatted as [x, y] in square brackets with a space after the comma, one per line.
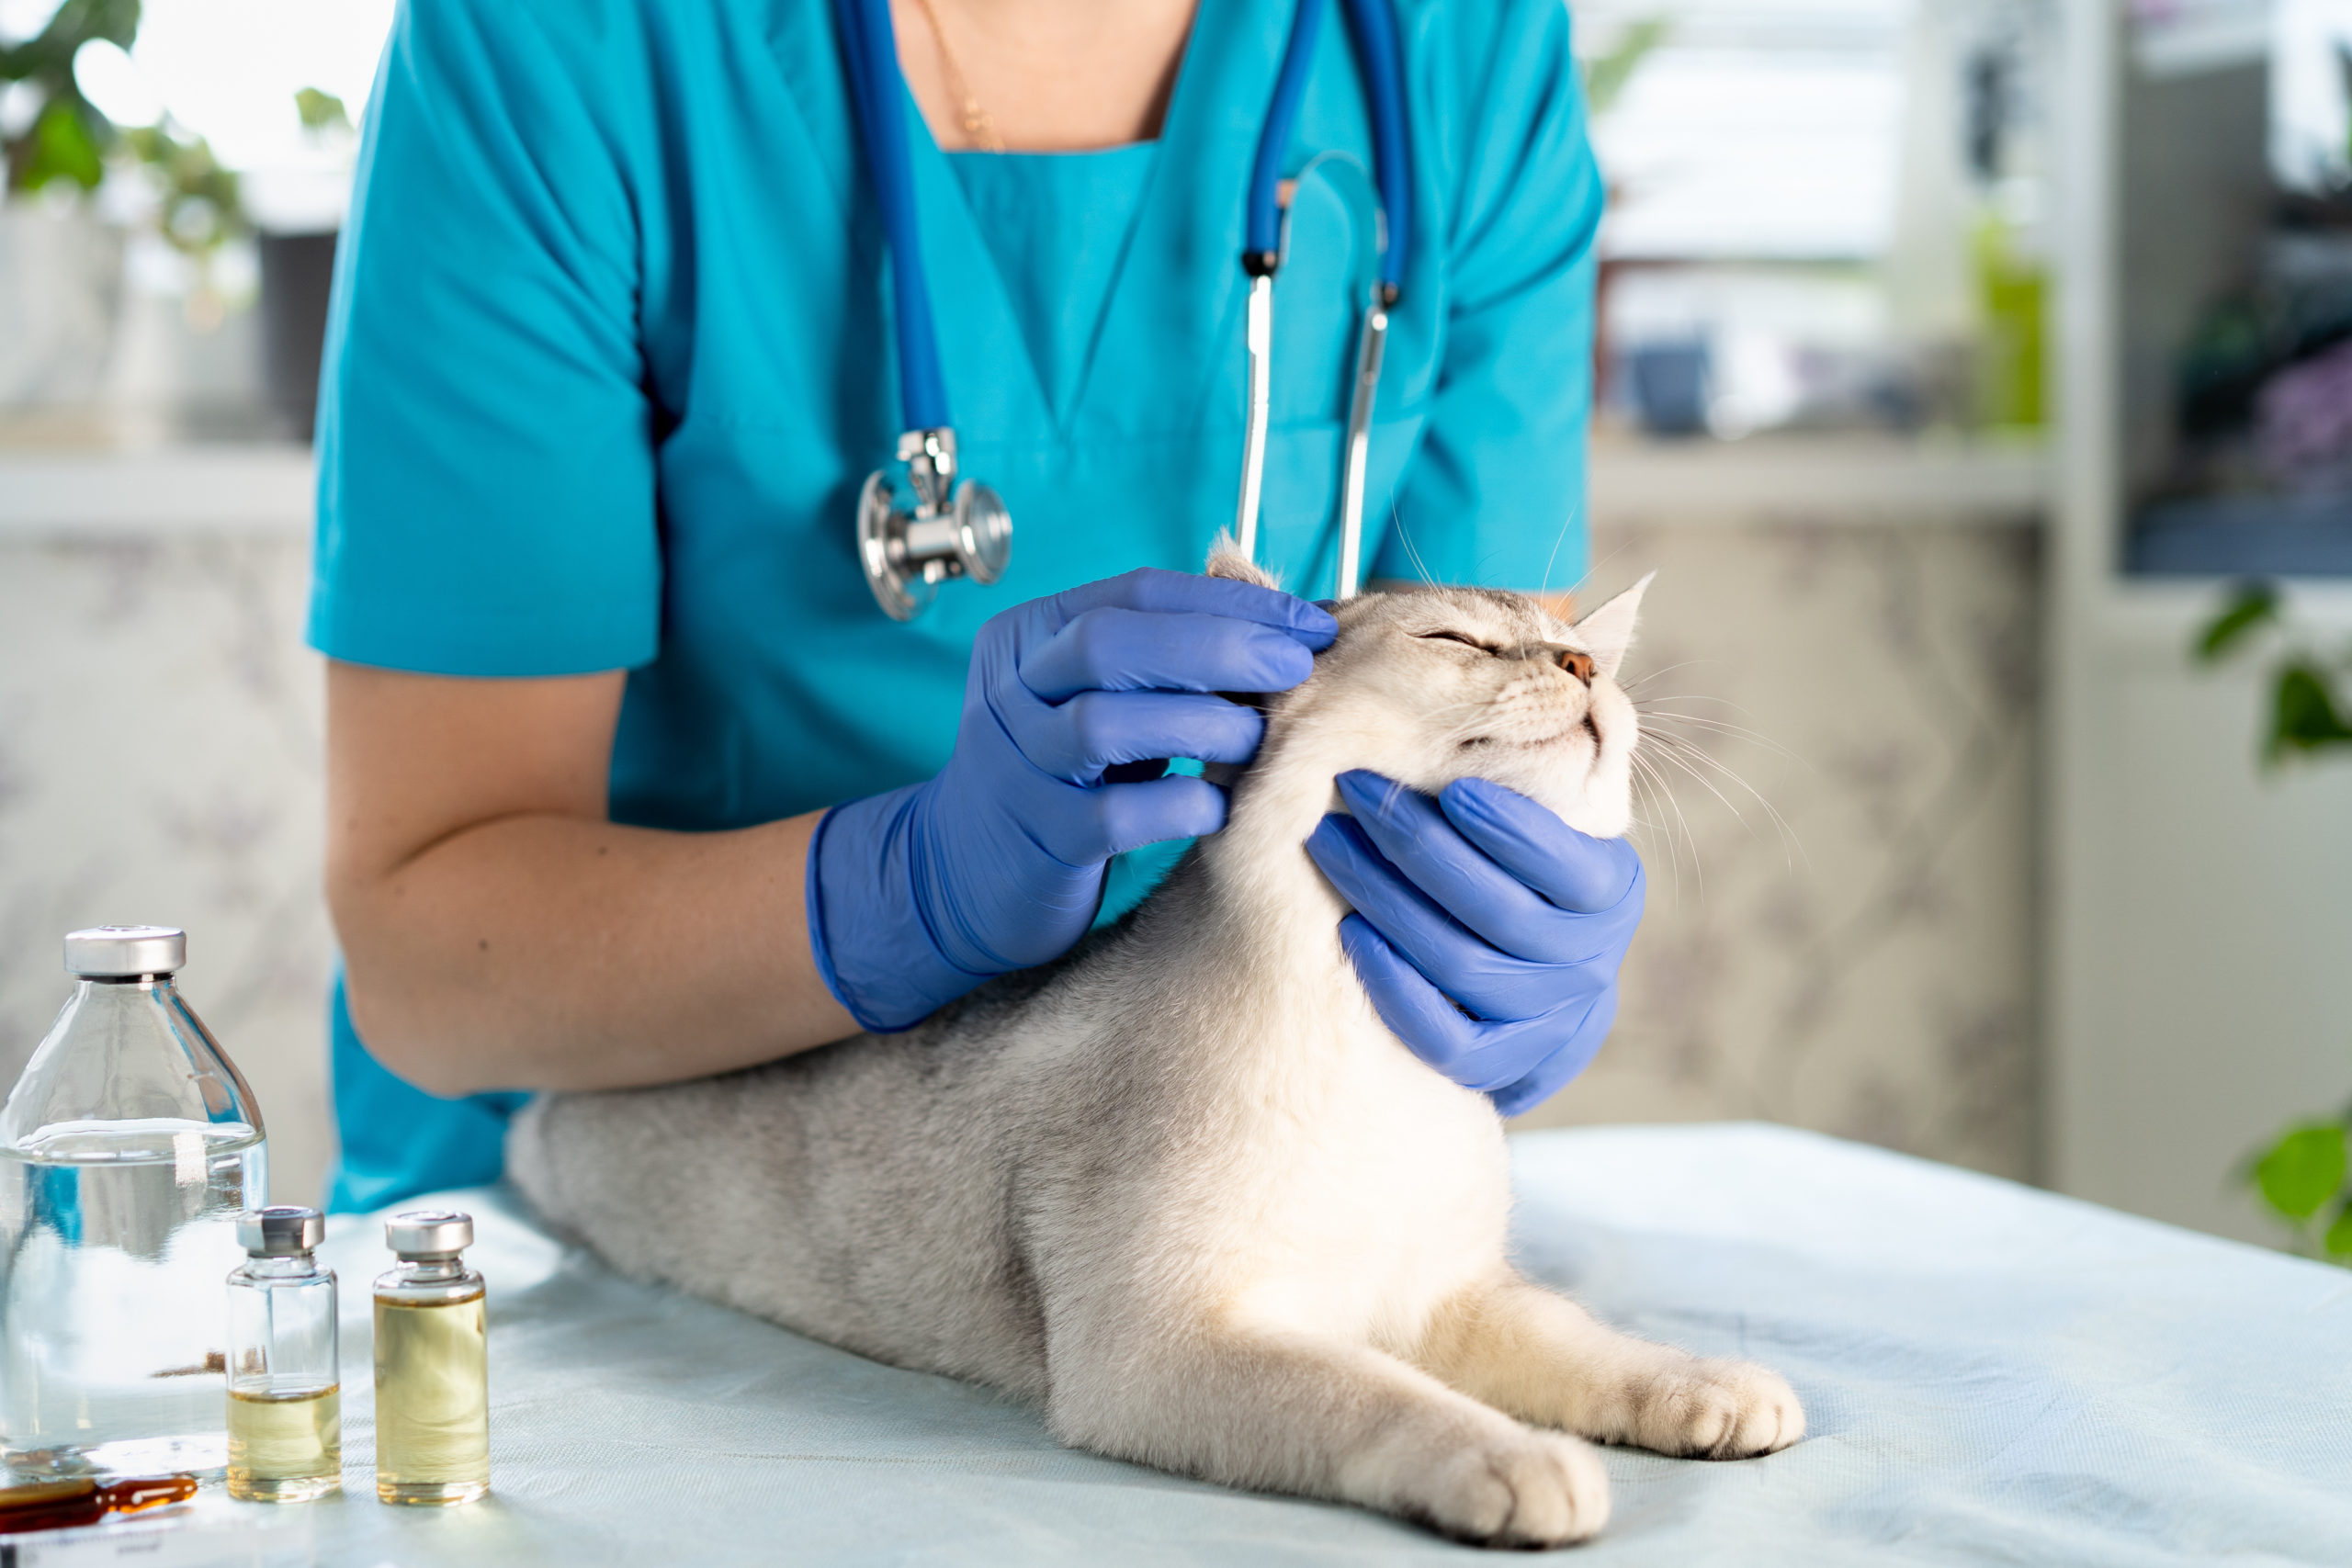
[907, 555]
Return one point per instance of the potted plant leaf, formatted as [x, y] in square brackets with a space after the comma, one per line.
[60, 266]
[2300, 1177]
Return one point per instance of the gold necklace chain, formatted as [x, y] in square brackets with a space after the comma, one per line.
[978, 128]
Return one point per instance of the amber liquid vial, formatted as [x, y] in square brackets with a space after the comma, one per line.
[284, 1448]
[284, 1416]
[432, 1365]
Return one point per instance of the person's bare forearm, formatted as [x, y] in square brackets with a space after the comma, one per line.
[546, 952]
[499, 933]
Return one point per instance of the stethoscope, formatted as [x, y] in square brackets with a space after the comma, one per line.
[957, 527]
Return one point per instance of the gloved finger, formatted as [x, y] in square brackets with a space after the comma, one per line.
[1114, 649]
[1573, 870]
[1181, 593]
[1418, 839]
[1085, 735]
[1477, 1055]
[1492, 984]
[1556, 1071]
[1091, 824]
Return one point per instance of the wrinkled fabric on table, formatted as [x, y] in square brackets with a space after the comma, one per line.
[1992, 1374]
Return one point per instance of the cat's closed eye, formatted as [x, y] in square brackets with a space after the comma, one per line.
[1454, 637]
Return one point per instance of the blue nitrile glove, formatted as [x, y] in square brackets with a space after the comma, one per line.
[1487, 932]
[997, 863]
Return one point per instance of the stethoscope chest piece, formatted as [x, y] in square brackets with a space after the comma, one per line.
[952, 530]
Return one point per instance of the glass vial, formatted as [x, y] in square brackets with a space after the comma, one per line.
[127, 1148]
[284, 1382]
[432, 1364]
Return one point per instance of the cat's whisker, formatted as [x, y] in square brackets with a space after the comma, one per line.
[1655, 824]
[1686, 756]
[1653, 719]
[1650, 773]
[1630, 686]
[1696, 697]
[1396, 519]
[1656, 726]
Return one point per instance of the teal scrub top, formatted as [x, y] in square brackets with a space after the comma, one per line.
[609, 358]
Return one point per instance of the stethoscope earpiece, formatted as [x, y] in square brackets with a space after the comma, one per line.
[1262, 257]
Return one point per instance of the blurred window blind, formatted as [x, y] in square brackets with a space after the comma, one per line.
[1756, 130]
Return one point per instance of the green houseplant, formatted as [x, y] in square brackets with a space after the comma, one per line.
[2301, 1177]
[67, 138]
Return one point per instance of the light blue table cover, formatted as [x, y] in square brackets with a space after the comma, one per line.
[1993, 1375]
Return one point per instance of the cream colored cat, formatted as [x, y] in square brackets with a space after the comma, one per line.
[1181, 1189]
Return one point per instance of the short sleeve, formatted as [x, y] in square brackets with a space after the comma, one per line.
[486, 477]
[1495, 495]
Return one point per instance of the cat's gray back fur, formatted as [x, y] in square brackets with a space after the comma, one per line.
[886, 1193]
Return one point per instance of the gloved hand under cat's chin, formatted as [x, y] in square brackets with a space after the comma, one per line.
[1487, 932]
[996, 863]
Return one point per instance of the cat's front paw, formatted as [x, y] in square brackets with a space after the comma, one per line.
[1717, 1410]
[1528, 1489]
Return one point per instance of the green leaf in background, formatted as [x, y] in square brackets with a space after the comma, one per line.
[1606, 77]
[2250, 605]
[2338, 1240]
[320, 110]
[2302, 712]
[63, 149]
[2302, 1170]
[202, 205]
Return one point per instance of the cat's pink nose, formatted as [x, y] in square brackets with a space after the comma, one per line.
[1577, 664]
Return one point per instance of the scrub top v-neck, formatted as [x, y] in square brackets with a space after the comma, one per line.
[609, 358]
[1056, 226]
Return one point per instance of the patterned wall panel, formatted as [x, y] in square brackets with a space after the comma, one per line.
[1841, 843]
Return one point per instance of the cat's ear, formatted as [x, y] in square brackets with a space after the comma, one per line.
[1226, 560]
[1608, 632]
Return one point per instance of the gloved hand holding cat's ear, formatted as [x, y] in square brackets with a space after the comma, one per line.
[997, 863]
[1487, 932]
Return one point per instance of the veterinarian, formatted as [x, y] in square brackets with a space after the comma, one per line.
[630, 780]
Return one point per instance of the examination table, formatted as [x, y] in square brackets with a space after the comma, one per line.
[1992, 1375]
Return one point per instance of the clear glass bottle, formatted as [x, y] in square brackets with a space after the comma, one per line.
[128, 1149]
[432, 1364]
[285, 1383]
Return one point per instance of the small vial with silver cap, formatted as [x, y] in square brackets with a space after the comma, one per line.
[432, 1364]
[285, 1379]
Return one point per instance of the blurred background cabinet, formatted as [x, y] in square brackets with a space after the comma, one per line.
[2198, 910]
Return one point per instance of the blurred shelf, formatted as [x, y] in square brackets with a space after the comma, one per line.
[196, 486]
[1824, 480]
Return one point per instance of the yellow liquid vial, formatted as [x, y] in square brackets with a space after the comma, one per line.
[432, 1400]
[284, 1447]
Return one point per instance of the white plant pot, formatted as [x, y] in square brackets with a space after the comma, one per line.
[60, 289]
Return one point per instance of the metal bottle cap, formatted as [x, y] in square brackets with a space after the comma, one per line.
[427, 1233]
[282, 1230]
[110, 953]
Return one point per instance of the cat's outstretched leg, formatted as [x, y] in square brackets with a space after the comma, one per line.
[1539, 1355]
[1284, 1412]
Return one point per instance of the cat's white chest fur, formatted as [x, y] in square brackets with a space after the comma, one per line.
[1358, 1190]
[1393, 1199]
